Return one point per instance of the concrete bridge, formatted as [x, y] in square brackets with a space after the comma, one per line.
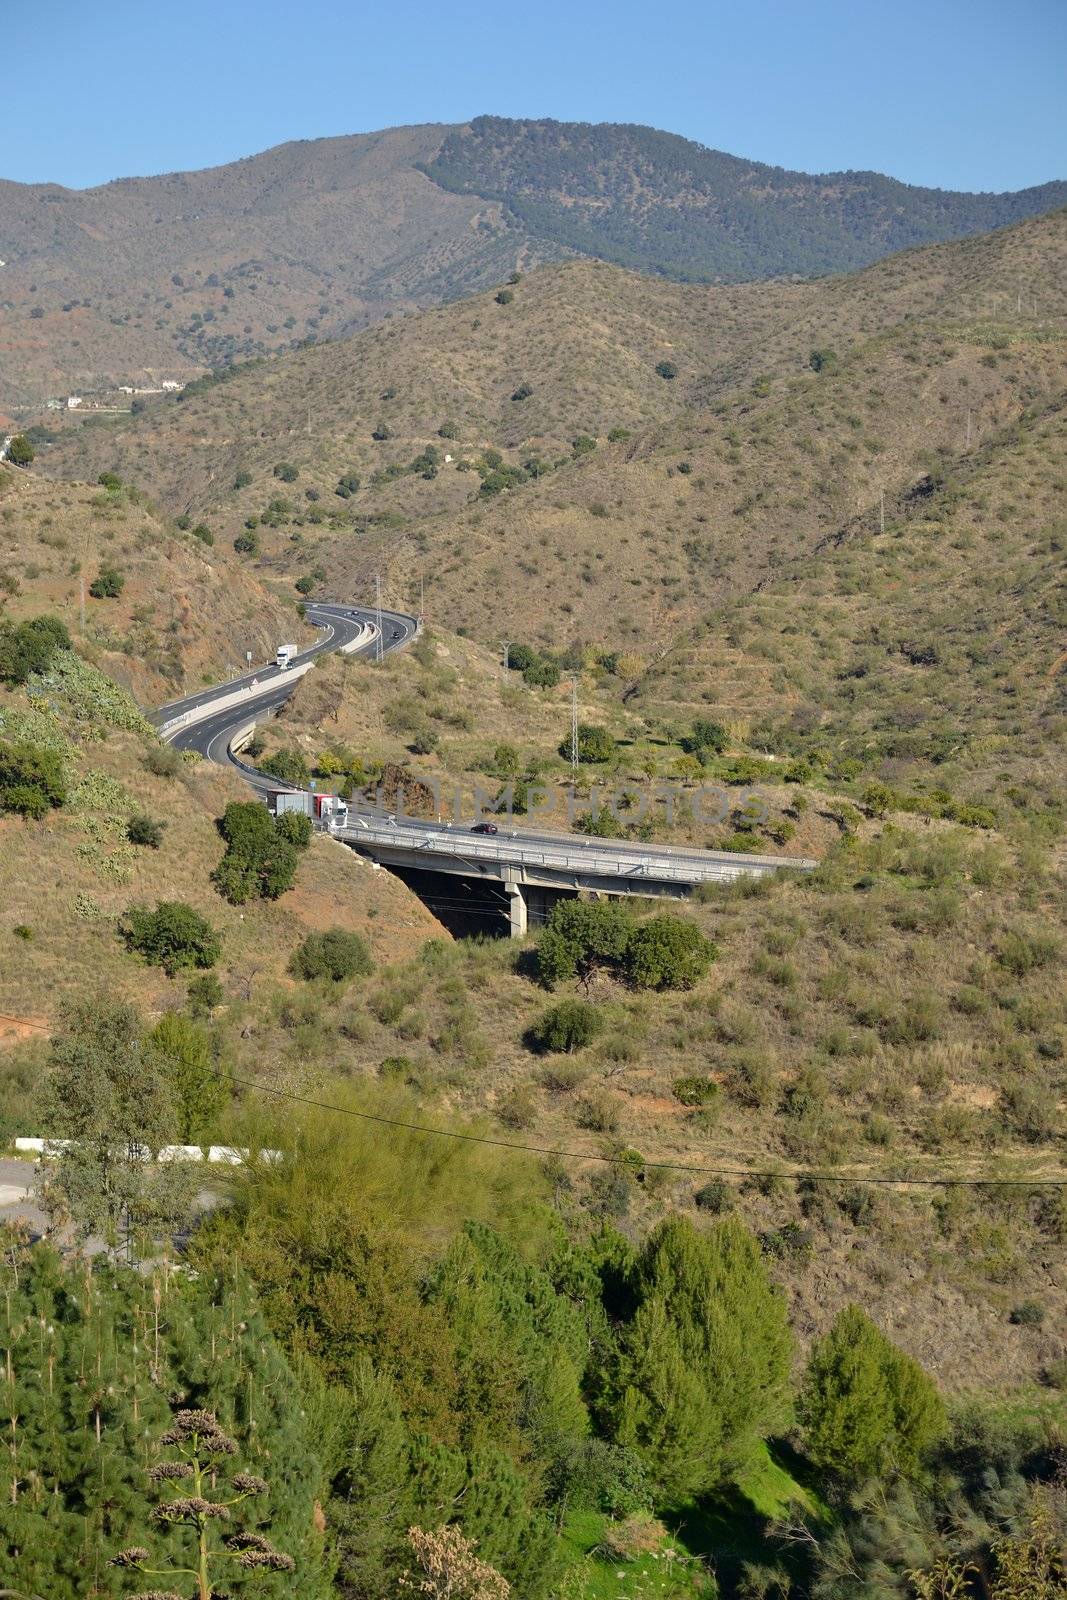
[534, 870]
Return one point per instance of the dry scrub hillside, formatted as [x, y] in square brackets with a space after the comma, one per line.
[941, 641]
[65, 881]
[153, 277]
[186, 612]
[755, 459]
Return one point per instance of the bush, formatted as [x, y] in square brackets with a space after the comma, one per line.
[286, 472]
[108, 584]
[505, 297]
[163, 761]
[242, 480]
[570, 1026]
[666, 369]
[247, 543]
[715, 1197]
[305, 584]
[203, 533]
[30, 647]
[866, 1407]
[335, 955]
[598, 1111]
[258, 862]
[1029, 1314]
[706, 737]
[347, 485]
[172, 936]
[20, 451]
[580, 936]
[32, 779]
[594, 743]
[541, 674]
[695, 1091]
[289, 766]
[145, 830]
[204, 994]
[668, 953]
[296, 828]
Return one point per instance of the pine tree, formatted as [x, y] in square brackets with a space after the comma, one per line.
[705, 1359]
[90, 1356]
[866, 1407]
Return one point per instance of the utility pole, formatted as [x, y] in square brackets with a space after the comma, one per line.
[379, 643]
[881, 512]
[505, 645]
[574, 725]
[309, 419]
[422, 598]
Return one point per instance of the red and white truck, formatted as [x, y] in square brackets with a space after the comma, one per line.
[328, 809]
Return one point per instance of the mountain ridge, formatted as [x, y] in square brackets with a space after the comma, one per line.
[185, 272]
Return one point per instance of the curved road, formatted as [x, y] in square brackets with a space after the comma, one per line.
[353, 629]
[270, 686]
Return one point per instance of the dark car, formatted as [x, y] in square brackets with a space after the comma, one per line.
[484, 827]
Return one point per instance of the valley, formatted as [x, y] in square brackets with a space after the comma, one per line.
[708, 1244]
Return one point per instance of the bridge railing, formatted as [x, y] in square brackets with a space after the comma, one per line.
[637, 866]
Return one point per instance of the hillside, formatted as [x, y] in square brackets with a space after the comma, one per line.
[145, 279]
[185, 613]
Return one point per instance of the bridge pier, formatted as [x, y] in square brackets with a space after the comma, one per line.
[518, 911]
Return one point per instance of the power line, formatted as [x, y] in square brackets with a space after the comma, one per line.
[627, 1161]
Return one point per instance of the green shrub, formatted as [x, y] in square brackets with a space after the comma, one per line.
[594, 743]
[570, 1026]
[707, 737]
[20, 451]
[335, 954]
[108, 584]
[695, 1091]
[32, 779]
[580, 936]
[667, 952]
[289, 766]
[163, 761]
[247, 543]
[296, 828]
[30, 647]
[259, 862]
[866, 1407]
[172, 936]
[145, 830]
[286, 472]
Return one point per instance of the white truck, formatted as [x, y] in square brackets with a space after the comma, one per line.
[286, 655]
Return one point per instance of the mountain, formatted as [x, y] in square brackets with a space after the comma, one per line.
[660, 203]
[150, 278]
[700, 486]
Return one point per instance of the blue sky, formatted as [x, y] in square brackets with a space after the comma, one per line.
[962, 94]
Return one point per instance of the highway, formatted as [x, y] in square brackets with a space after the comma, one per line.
[211, 719]
[189, 724]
